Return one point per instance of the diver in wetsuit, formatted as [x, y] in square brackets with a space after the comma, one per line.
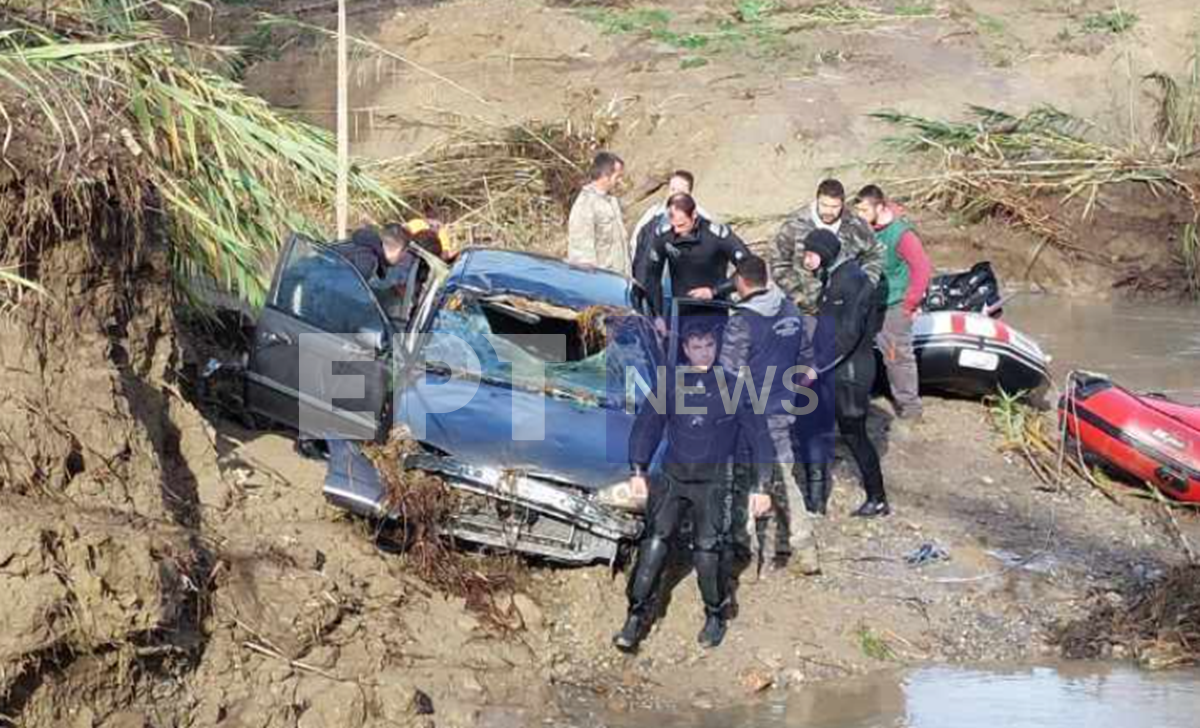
[849, 305]
[700, 437]
[697, 251]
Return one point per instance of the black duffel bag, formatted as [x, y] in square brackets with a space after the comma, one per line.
[971, 290]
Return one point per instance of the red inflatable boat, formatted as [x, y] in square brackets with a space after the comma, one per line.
[1148, 438]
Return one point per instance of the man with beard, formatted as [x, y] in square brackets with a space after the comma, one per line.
[907, 271]
[827, 212]
[595, 228]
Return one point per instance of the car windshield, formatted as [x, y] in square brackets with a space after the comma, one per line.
[581, 355]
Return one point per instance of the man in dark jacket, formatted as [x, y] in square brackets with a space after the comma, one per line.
[700, 441]
[847, 303]
[372, 253]
[765, 334]
[698, 253]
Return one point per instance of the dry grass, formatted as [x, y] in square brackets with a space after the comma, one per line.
[505, 185]
[119, 132]
[1024, 170]
[421, 503]
[1159, 626]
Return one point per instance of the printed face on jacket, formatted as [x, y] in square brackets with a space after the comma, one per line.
[700, 350]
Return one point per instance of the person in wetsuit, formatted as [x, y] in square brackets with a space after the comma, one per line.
[697, 252]
[700, 442]
[847, 302]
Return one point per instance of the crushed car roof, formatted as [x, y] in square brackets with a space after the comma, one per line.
[541, 277]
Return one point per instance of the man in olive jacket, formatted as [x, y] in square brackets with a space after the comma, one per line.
[827, 212]
[596, 230]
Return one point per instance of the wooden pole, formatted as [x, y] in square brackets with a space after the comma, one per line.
[343, 126]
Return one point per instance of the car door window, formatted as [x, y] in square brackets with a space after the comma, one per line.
[322, 289]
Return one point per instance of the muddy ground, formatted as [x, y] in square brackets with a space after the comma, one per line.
[167, 567]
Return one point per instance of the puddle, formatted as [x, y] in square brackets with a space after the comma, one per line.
[1066, 696]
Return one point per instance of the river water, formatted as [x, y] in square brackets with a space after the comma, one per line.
[1142, 346]
[1069, 696]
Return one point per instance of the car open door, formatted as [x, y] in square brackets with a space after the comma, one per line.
[321, 356]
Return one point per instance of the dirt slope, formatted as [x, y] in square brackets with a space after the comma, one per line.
[763, 119]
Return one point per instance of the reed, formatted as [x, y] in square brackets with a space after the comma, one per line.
[103, 113]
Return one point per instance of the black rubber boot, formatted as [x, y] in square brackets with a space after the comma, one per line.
[630, 636]
[713, 590]
[873, 509]
[713, 633]
[652, 557]
[818, 487]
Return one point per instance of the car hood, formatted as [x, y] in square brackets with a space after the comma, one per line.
[583, 444]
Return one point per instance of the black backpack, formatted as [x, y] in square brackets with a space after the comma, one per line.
[971, 290]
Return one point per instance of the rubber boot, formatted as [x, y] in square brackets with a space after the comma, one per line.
[873, 509]
[713, 592]
[819, 486]
[652, 557]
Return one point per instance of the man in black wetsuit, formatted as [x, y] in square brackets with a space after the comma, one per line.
[847, 303]
[697, 251]
[695, 482]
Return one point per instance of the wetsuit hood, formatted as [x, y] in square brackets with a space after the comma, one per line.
[825, 244]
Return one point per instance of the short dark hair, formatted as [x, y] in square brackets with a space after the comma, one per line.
[698, 331]
[686, 176]
[831, 188]
[395, 234]
[753, 270]
[366, 235]
[429, 241]
[683, 202]
[604, 164]
[871, 193]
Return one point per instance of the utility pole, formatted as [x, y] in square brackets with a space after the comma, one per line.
[343, 126]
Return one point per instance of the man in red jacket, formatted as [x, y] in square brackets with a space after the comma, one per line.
[906, 270]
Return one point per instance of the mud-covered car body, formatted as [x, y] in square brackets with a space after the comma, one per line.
[544, 496]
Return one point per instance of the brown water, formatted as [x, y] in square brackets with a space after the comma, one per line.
[1145, 347]
[1067, 696]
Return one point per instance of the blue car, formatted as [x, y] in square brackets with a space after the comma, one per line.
[507, 370]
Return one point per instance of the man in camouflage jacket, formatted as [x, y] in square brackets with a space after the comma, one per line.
[827, 212]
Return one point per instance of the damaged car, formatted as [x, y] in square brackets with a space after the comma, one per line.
[507, 369]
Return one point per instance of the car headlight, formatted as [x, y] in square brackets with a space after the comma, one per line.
[620, 496]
